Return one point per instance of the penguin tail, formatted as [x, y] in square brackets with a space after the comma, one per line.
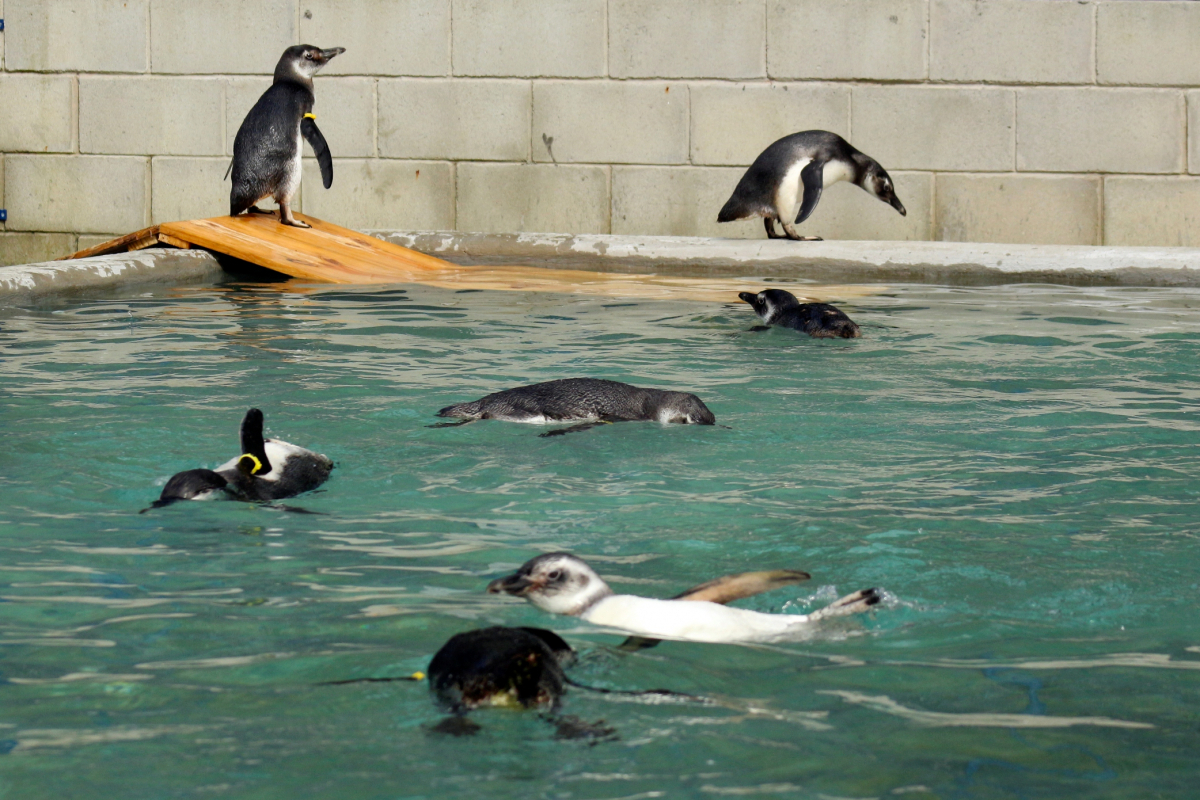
[462, 411]
[734, 209]
[855, 603]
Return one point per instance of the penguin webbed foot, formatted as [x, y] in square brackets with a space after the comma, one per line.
[257, 210]
[295, 223]
[456, 725]
[573, 728]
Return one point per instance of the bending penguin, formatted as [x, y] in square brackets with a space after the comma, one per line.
[563, 584]
[591, 401]
[819, 320]
[267, 149]
[802, 165]
[268, 469]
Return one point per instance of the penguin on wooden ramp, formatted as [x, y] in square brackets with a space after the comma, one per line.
[267, 149]
[268, 469]
[564, 584]
[786, 180]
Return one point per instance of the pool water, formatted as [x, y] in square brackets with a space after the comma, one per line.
[1015, 466]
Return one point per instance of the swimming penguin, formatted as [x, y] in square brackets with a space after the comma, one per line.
[563, 584]
[268, 469]
[819, 320]
[591, 400]
[509, 667]
[267, 149]
[771, 188]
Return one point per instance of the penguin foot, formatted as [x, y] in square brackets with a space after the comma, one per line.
[257, 210]
[295, 223]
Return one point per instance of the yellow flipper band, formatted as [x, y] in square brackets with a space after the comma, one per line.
[257, 463]
[418, 676]
[310, 115]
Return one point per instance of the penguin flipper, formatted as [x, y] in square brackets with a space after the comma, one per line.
[253, 443]
[313, 134]
[812, 176]
[227, 171]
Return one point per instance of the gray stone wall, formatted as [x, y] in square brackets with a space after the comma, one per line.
[1037, 121]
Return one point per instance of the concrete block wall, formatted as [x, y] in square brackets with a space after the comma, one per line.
[1037, 121]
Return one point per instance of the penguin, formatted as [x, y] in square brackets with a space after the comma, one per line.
[589, 400]
[819, 320]
[267, 149]
[561, 583]
[268, 469]
[505, 667]
[771, 187]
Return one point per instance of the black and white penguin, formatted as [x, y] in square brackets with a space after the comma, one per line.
[591, 401]
[561, 583]
[268, 469]
[819, 320]
[506, 667]
[267, 150]
[803, 164]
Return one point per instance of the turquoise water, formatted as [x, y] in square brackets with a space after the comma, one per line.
[1015, 466]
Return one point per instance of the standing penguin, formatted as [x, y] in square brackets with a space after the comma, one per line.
[771, 188]
[267, 150]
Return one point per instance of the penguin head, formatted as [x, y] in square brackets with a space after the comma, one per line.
[770, 304]
[190, 485]
[300, 62]
[558, 583]
[876, 181]
[682, 408]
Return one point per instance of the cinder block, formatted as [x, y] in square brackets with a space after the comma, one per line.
[65, 35]
[189, 188]
[1010, 41]
[686, 39]
[494, 198]
[529, 38]
[150, 116]
[1148, 43]
[1194, 133]
[1022, 209]
[252, 36]
[459, 119]
[732, 123]
[345, 110]
[873, 39]
[618, 122]
[77, 194]
[1100, 130]
[381, 194]
[2, 224]
[1160, 212]
[684, 201]
[38, 113]
[939, 128]
[34, 248]
[381, 37]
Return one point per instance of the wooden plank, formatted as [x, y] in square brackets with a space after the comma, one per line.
[173, 242]
[328, 253]
[118, 245]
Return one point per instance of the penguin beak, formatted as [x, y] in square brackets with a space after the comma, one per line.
[896, 204]
[748, 297]
[515, 584]
[328, 54]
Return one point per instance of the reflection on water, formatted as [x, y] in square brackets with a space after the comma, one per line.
[1015, 466]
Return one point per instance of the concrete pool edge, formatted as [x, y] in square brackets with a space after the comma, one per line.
[158, 265]
[962, 263]
[842, 262]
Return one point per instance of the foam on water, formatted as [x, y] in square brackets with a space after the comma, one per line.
[1016, 467]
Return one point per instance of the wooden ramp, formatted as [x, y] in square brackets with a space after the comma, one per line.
[327, 253]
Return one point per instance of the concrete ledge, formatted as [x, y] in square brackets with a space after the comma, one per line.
[35, 281]
[841, 261]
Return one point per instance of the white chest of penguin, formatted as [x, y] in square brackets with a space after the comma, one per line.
[696, 621]
[791, 190]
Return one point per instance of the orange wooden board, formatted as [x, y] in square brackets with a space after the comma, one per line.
[328, 253]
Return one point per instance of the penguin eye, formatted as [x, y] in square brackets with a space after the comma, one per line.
[308, 56]
[555, 575]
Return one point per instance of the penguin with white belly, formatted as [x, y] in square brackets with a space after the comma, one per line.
[786, 180]
[267, 149]
[268, 469]
[564, 584]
